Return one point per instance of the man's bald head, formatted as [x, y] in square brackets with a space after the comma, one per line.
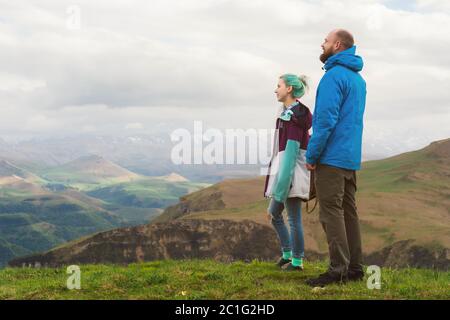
[337, 40]
[345, 37]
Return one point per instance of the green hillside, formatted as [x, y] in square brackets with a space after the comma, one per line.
[32, 224]
[145, 193]
[9, 251]
[399, 198]
[418, 171]
[82, 197]
[133, 197]
[34, 218]
[207, 279]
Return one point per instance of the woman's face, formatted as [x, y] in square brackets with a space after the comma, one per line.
[282, 91]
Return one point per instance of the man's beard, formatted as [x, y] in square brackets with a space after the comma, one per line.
[325, 55]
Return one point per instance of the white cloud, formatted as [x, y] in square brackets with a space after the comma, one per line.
[434, 5]
[11, 83]
[133, 64]
[134, 125]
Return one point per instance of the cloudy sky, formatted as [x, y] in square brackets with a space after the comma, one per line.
[132, 67]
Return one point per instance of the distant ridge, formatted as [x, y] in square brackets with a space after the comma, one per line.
[174, 177]
[90, 169]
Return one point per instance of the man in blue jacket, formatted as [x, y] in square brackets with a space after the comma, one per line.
[334, 152]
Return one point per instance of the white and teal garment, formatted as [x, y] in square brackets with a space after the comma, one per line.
[287, 175]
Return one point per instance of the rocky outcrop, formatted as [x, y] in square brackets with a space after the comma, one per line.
[222, 240]
[407, 253]
[207, 199]
[439, 149]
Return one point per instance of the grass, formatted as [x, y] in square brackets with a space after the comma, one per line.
[207, 279]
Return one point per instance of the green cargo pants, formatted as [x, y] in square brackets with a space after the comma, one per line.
[336, 188]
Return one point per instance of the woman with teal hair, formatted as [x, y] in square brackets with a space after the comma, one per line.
[288, 181]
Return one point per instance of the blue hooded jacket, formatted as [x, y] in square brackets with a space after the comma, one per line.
[338, 114]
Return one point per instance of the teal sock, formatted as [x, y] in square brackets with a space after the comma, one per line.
[297, 262]
[287, 255]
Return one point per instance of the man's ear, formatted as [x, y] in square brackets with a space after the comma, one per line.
[337, 45]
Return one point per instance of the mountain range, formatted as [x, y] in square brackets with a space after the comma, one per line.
[403, 204]
[52, 205]
[149, 155]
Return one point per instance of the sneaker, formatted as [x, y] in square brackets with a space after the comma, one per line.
[290, 267]
[355, 275]
[326, 279]
[281, 262]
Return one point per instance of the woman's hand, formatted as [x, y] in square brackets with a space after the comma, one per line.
[310, 167]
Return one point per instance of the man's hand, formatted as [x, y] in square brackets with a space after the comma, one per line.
[310, 167]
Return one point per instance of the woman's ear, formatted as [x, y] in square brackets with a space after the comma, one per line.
[289, 89]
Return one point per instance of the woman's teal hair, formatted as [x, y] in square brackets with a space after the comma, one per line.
[299, 84]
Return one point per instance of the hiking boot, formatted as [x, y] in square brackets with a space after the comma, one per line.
[355, 275]
[326, 279]
[290, 267]
[281, 262]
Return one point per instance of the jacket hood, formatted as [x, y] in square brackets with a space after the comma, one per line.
[346, 58]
